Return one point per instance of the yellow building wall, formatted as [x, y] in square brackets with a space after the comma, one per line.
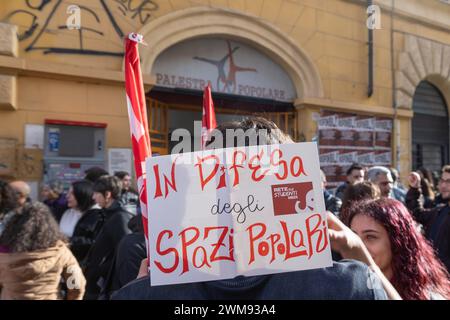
[332, 32]
[41, 99]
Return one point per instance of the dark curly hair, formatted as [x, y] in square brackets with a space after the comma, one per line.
[416, 270]
[31, 229]
[8, 198]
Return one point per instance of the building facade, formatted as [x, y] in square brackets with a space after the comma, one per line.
[370, 84]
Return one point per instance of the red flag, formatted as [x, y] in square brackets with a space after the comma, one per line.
[209, 115]
[137, 115]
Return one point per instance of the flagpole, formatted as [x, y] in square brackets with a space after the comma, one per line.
[208, 116]
[137, 115]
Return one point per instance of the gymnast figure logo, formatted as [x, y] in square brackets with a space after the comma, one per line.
[228, 80]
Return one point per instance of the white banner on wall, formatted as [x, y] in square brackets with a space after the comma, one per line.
[119, 159]
[34, 136]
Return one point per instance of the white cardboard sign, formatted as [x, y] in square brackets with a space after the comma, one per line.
[217, 214]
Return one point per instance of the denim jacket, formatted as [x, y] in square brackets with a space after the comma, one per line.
[347, 279]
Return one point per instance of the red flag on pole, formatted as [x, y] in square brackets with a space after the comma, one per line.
[209, 115]
[137, 115]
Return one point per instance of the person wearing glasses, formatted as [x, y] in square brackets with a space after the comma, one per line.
[436, 221]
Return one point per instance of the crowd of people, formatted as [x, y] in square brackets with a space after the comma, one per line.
[426, 202]
[67, 245]
[407, 231]
[89, 243]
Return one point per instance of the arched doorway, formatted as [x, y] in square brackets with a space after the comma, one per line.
[430, 128]
[243, 79]
[241, 29]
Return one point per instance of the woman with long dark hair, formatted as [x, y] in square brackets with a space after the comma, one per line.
[427, 188]
[400, 251]
[34, 257]
[82, 222]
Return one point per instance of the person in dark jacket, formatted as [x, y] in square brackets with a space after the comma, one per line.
[129, 197]
[101, 255]
[438, 200]
[355, 174]
[344, 280]
[89, 224]
[347, 279]
[131, 251]
[428, 193]
[436, 221]
[332, 203]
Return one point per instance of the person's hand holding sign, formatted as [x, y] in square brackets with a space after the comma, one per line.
[143, 269]
[414, 180]
[350, 246]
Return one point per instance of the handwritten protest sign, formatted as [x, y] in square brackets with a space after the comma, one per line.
[217, 214]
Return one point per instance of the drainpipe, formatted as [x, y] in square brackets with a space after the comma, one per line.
[370, 45]
[395, 124]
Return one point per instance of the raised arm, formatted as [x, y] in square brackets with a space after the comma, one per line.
[414, 201]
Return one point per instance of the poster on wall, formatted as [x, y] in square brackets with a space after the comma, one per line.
[29, 163]
[383, 133]
[119, 159]
[346, 138]
[34, 190]
[53, 139]
[34, 136]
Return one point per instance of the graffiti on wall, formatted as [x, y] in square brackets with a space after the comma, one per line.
[41, 18]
